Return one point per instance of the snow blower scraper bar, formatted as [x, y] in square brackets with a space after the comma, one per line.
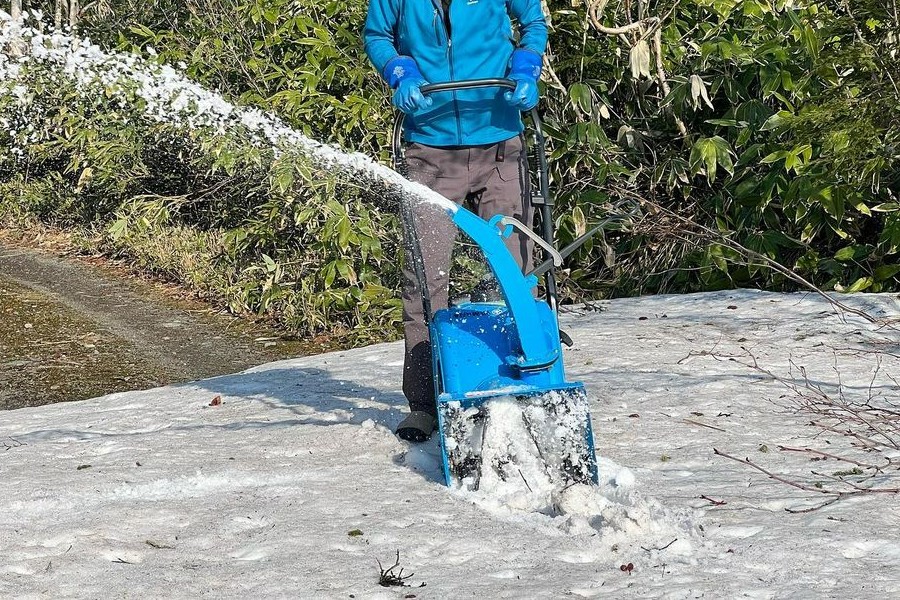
[503, 360]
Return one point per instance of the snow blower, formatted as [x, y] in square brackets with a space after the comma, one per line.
[503, 360]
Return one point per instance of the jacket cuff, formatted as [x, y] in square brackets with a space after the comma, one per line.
[525, 64]
[399, 68]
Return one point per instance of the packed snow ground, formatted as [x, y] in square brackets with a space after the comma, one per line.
[294, 486]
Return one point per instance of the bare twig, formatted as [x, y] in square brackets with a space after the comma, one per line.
[773, 264]
[812, 508]
[595, 8]
[525, 480]
[647, 27]
[12, 443]
[840, 479]
[824, 455]
[693, 422]
[388, 578]
[771, 475]
[663, 82]
[659, 549]
[714, 502]
[818, 489]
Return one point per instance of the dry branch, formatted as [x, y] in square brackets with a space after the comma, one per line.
[771, 263]
[645, 27]
[856, 490]
[871, 426]
[388, 578]
[826, 455]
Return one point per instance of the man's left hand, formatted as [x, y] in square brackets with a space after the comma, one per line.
[525, 70]
[525, 96]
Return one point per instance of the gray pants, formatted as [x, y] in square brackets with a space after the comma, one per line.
[490, 180]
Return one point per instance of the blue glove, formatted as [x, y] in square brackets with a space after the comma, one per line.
[403, 75]
[525, 70]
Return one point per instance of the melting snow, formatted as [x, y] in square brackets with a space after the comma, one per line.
[295, 485]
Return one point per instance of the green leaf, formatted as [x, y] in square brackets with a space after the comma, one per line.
[717, 256]
[344, 232]
[833, 203]
[580, 94]
[774, 157]
[284, 180]
[885, 272]
[849, 253]
[860, 284]
[777, 121]
[330, 274]
[709, 153]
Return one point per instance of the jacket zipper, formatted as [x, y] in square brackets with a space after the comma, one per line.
[445, 18]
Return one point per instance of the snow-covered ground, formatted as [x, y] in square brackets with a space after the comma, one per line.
[294, 486]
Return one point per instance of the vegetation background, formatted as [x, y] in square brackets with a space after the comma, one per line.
[705, 126]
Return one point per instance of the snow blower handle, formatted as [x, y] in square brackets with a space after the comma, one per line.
[452, 86]
[468, 84]
[543, 200]
[556, 259]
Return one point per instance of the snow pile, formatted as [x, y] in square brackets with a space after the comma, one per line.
[524, 447]
[166, 95]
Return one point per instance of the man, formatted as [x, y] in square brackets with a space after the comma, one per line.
[465, 145]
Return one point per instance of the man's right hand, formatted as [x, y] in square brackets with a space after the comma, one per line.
[409, 97]
[402, 74]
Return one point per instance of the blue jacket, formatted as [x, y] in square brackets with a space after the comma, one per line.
[477, 45]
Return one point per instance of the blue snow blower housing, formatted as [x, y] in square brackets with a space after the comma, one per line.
[509, 352]
[483, 351]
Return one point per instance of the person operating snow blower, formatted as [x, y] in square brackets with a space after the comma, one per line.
[467, 145]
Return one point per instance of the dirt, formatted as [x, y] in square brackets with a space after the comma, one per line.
[72, 329]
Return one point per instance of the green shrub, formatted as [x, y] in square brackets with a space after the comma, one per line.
[788, 147]
[777, 131]
[228, 200]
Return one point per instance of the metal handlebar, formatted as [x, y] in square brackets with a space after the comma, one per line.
[468, 84]
[455, 86]
[556, 258]
[543, 202]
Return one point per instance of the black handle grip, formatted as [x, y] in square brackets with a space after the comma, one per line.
[468, 84]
